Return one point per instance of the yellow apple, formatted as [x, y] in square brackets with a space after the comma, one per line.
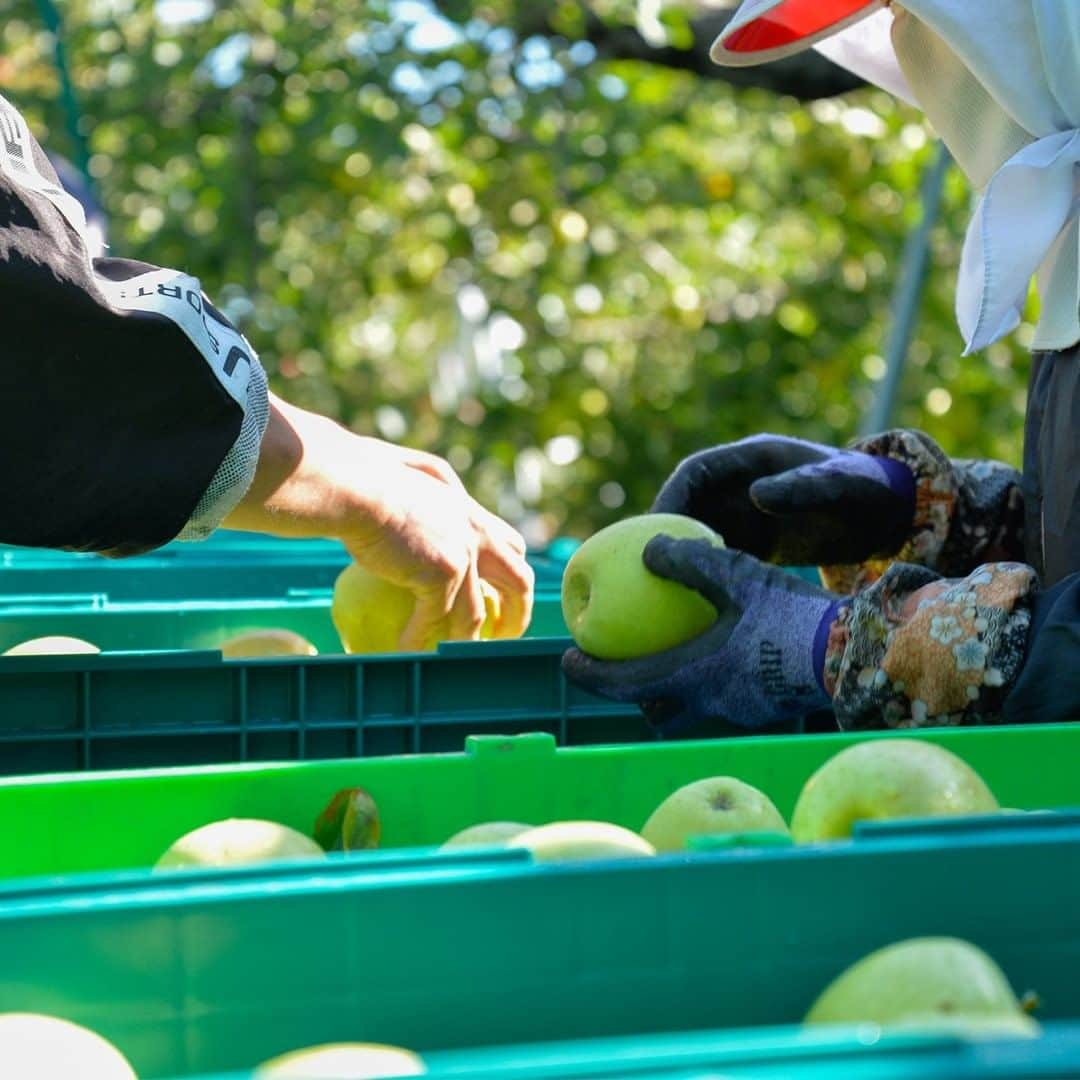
[886, 778]
[52, 646]
[238, 842]
[370, 613]
[564, 841]
[487, 834]
[614, 608]
[342, 1061]
[927, 984]
[38, 1047]
[718, 804]
[256, 643]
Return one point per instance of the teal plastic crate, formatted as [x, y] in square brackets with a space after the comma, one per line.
[162, 578]
[146, 626]
[71, 713]
[454, 955]
[863, 1053]
[228, 564]
[198, 623]
[161, 698]
[139, 710]
[772, 1054]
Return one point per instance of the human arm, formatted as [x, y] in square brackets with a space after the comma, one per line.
[135, 413]
[402, 514]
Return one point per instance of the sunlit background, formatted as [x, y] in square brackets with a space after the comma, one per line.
[463, 228]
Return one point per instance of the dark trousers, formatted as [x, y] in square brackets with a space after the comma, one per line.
[1052, 465]
[1049, 686]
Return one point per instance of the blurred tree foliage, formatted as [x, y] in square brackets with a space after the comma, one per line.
[563, 274]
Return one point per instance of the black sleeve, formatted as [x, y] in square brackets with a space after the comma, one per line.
[122, 387]
[1048, 687]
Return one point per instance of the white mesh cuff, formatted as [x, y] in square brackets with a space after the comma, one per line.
[235, 473]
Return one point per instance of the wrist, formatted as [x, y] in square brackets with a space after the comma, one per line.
[786, 656]
[901, 481]
[935, 493]
[933, 489]
[296, 491]
[826, 624]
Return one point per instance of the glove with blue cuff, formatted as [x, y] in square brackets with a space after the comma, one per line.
[793, 502]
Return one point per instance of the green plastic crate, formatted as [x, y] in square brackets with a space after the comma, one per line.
[216, 971]
[128, 819]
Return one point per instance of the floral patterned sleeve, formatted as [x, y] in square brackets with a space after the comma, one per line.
[915, 650]
[966, 512]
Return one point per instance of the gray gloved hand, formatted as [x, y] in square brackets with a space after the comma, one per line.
[759, 664]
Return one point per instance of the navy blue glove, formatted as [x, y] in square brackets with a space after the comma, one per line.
[794, 502]
[759, 664]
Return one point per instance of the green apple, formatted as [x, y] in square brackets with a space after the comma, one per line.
[238, 842]
[370, 613]
[350, 822]
[564, 841]
[886, 778]
[487, 834]
[342, 1061]
[38, 1047]
[920, 983]
[718, 804]
[256, 643]
[52, 646]
[614, 608]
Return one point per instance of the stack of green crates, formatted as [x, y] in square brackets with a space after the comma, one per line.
[490, 965]
[688, 965]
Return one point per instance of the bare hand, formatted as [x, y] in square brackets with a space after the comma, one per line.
[402, 514]
[427, 534]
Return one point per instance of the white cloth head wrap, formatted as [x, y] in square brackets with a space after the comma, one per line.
[1000, 80]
